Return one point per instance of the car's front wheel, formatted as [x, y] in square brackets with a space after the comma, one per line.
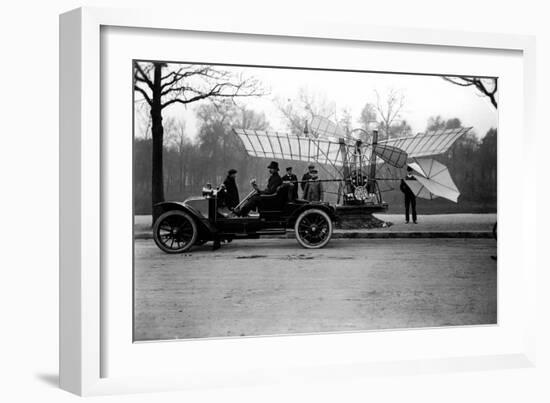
[175, 231]
[313, 229]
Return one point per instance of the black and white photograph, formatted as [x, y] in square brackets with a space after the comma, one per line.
[270, 200]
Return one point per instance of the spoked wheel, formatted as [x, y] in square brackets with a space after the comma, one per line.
[175, 232]
[313, 229]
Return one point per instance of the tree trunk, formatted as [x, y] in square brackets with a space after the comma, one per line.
[157, 181]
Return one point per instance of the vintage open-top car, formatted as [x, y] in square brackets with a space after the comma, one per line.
[197, 220]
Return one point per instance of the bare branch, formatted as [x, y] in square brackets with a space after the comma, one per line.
[479, 84]
[464, 83]
[218, 90]
[143, 93]
[141, 76]
[174, 77]
[390, 109]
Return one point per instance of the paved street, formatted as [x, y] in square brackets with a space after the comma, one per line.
[272, 286]
[426, 223]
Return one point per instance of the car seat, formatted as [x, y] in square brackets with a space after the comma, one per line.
[275, 201]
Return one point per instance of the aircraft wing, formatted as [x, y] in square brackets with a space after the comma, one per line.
[276, 145]
[426, 144]
[325, 128]
[390, 154]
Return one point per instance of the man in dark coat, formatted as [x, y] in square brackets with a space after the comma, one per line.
[231, 191]
[410, 198]
[314, 188]
[306, 177]
[272, 185]
[293, 179]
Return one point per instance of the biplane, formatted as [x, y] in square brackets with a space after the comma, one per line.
[358, 163]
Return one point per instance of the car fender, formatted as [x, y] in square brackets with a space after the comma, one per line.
[327, 208]
[205, 227]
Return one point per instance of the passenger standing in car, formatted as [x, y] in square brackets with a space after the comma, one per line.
[293, 180]
[231, 190]
[305, 178]
[314, 188]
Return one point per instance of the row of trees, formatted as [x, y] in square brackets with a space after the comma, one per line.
[188, 165]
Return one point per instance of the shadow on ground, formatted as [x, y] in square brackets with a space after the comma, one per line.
[49, 379]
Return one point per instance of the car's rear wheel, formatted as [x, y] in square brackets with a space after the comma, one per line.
[175, 231]
[313, 229]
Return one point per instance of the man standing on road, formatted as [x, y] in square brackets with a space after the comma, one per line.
[410, 198]
[231, 191]
[306, 177]
[272, 185]
[293, 179]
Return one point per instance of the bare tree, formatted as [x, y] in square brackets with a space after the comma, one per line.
[250, 119]
[161, 85]
[142, 119]
[219, 148]
[304, 108]
[389, 109]
[178, 139]
[368, 116]
[345, 119]
[317, 104]
[486, 86]
[366, 120]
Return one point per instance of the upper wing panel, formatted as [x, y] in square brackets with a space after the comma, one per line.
[277, 145]
[427, 144]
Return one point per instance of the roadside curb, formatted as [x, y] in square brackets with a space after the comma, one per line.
[414, 234]
[375, 234]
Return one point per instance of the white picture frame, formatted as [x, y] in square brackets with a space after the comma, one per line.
[82, 173]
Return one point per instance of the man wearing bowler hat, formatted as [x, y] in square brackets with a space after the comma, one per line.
[272, 184]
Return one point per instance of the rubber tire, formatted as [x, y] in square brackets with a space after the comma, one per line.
[301, 217]
[156, 227]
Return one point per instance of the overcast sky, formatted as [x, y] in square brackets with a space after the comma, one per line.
[425, 96]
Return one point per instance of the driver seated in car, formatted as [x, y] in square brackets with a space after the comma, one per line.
[272, 185]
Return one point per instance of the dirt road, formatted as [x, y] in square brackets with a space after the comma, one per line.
[272, 286]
